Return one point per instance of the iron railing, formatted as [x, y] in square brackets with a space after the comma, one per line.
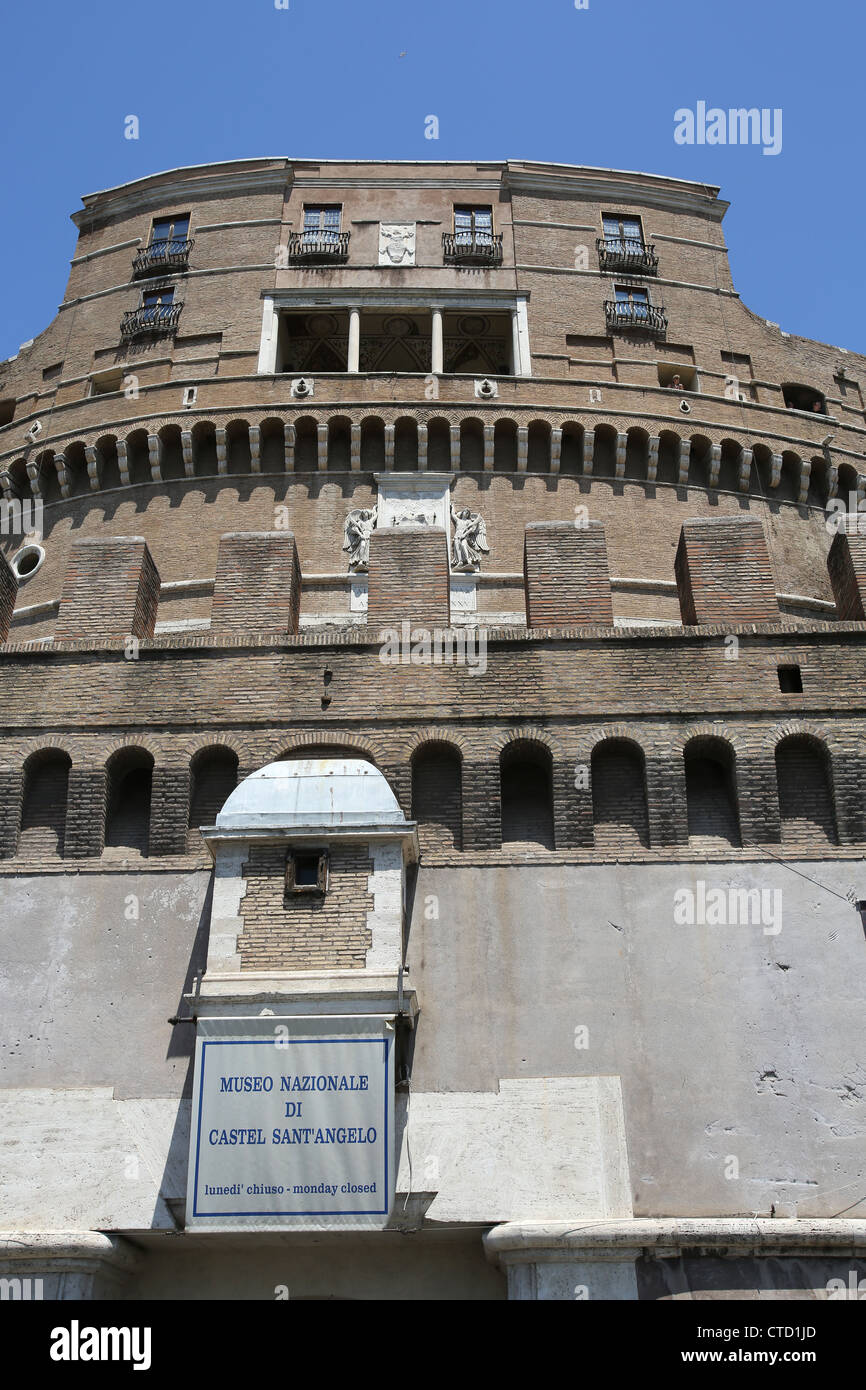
[472, 248]
[623, 313]
[161, 255]
[627, 253]
[150, 318]
[318, 246]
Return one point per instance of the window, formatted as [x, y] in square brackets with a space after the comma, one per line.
[103, 383]
[130, 782]
[473, 225]
[526, 796]
[170, 234]
[634, 298]
[711, 794]
[322, 224]
[7, 411]
[803, 398]
[156, 305]
[677, 377]
[623, 233]
[806, 803]
[307, 872]
[790, 680]
[437, 803]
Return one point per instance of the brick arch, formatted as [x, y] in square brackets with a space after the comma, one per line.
[127, 743]
[436, 735]
[193, 747]
[297, 742]
[529, 734]
[802, 728]
[34, 746]
[721, 732]
[609, 733]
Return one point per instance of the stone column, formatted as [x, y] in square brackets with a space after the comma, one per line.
[515, 344]
[354, 340]
[437, 345]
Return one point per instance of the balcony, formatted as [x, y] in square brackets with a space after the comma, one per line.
[624, 314]
[150, 318]
[472, 248]
[626, 253]
[318, 248]
[161, 256]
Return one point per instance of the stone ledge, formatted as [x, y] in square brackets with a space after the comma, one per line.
[667, 1238]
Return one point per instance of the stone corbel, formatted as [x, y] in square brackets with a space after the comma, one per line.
[34, 473]
[422, 448]
[715, 464]
[621, 446]
[155, 454]
[290, 448]
[63, 477]
[355, 448]
[188, 447]
[588, 450]
[745, 469]
[652, 458]
[455, 448]
[775, 469]
[805, 475]
[555, 450]
[255, 449]
[322, 447]
[95, 465]
[684, 460]
[522, 448]
[222, 453]
[123, 462]
[389, 446]
[489, 446]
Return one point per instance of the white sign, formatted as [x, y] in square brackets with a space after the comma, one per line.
[292, 1123]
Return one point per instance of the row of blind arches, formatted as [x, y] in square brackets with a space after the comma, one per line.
[527, 813]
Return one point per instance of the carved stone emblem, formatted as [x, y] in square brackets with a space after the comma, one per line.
[396, 243]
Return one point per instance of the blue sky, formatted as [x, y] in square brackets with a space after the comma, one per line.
[225, 79]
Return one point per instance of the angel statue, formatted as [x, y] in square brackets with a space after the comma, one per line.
[358, 529]
[469, 542]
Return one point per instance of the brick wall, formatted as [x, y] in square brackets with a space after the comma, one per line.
[409, 577]
[8, 595]
[723, 573]
[258, 583]
[619, 797]
[300, 932]
[110, 589]
[566, 575]
[846, 564]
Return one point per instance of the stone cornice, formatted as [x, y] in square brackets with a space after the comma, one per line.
[730, 1237]
[197, 181]
[621, 186]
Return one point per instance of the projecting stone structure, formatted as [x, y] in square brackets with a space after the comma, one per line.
[581, 859]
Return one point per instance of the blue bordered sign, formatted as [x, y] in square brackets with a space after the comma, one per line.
[292, 1123]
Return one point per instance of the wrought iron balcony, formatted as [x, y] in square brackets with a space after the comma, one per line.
[622, 313]
[150, 318]
[472, 248]
[318, 248]
[627, 253]
[161, 256]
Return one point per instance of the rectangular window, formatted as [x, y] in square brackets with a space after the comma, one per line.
[473, 223]
[152, 299]
[322, 223]
[307, 872]
[623, 233]
[170, 233]
[790, 680]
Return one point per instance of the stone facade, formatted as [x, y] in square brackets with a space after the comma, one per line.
[660, 682]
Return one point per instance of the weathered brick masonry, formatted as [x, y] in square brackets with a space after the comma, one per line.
[110, 589]
[305, 933]
[258, 584]
[566, 575]
[409, 577]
